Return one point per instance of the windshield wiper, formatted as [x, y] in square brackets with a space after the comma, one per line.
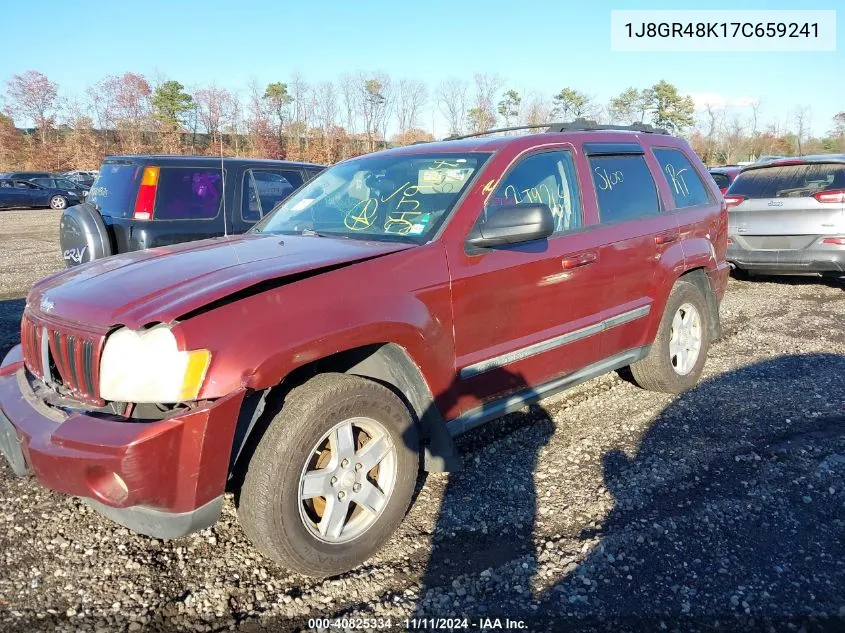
[313, 233]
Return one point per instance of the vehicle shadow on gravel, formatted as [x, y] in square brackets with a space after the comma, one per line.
[488, 513]
[730, 515]
[10, 324]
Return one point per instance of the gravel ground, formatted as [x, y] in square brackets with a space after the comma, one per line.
[608, 508]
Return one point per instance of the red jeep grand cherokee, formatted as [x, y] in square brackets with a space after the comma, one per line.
[396, 300]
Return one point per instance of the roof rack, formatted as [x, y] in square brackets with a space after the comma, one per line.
[578, 125]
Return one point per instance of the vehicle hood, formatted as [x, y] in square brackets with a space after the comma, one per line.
[163, 284]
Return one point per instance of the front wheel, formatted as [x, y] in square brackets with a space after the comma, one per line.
[332, 477]
[677, 356]
[58, 203]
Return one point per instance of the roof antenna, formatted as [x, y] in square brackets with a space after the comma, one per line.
[223, 180]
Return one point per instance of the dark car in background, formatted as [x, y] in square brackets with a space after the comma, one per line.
[140, 202]
[60, 182]
[16, 192]
[80, 177]
[788, 216]
[26, 175]
[724, 176]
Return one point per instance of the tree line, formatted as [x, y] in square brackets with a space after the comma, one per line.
[359, 112]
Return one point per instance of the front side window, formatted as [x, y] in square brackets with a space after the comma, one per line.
[263, 190]
[44, 182]
[188, 194]
[686, 185]
[402, 197]
[624, 186]
[548, 178]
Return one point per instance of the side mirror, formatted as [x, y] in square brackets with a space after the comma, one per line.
[513, 224]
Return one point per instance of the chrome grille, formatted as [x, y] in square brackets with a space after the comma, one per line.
[71, 358]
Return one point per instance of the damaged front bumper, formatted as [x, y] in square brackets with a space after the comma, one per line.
[164, 478]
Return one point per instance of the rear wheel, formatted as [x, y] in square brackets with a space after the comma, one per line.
[677, 356]
[332, 477]
[58, 202]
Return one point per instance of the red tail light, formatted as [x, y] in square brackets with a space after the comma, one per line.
[836, 195]
[839, 241]
[146, 199]
[723, 190]
[734, 200]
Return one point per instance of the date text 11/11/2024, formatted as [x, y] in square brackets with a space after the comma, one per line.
[419, 624]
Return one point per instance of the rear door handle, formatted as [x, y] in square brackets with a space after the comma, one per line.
[666, 238]
[581, 259]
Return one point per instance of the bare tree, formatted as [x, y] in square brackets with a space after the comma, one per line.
[261, 138]
[755, 106]
[536, 110]
[733, 139]
[325, 96]
[801, 117]
[213, 106]
[713, 118]
[33, 95]
[80, 148]
[411, 96]
[373, 95]
[122, 104]
[483, 112]
[452, 102]
[233, 120]
[350, 97]
[301, 102]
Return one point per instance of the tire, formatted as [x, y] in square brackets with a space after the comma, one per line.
[58, 203]
[662, 371]
[280, 523]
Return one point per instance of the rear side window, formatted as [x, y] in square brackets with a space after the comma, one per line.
[687, 188]
[722, 181]
[115, 189]
[624, 187]
[188, 194]
[263, 190]
[789, 181]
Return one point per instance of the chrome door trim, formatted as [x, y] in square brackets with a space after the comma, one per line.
[549, 344]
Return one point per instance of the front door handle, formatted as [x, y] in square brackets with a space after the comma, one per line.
[666, 238]
[581, 259]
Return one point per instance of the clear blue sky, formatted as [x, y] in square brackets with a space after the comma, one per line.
[534, 45]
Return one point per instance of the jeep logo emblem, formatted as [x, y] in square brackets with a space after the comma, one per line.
[46, 305]
[75, 254]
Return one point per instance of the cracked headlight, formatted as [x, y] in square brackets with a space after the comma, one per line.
[147, 366]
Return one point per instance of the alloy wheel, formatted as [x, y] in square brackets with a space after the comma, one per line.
[347, 480]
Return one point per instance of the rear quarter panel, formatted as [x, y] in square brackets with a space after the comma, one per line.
[703, 233]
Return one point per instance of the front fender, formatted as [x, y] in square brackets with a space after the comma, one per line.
[403, 299]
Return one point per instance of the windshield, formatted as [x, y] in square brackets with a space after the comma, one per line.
[404, 197]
